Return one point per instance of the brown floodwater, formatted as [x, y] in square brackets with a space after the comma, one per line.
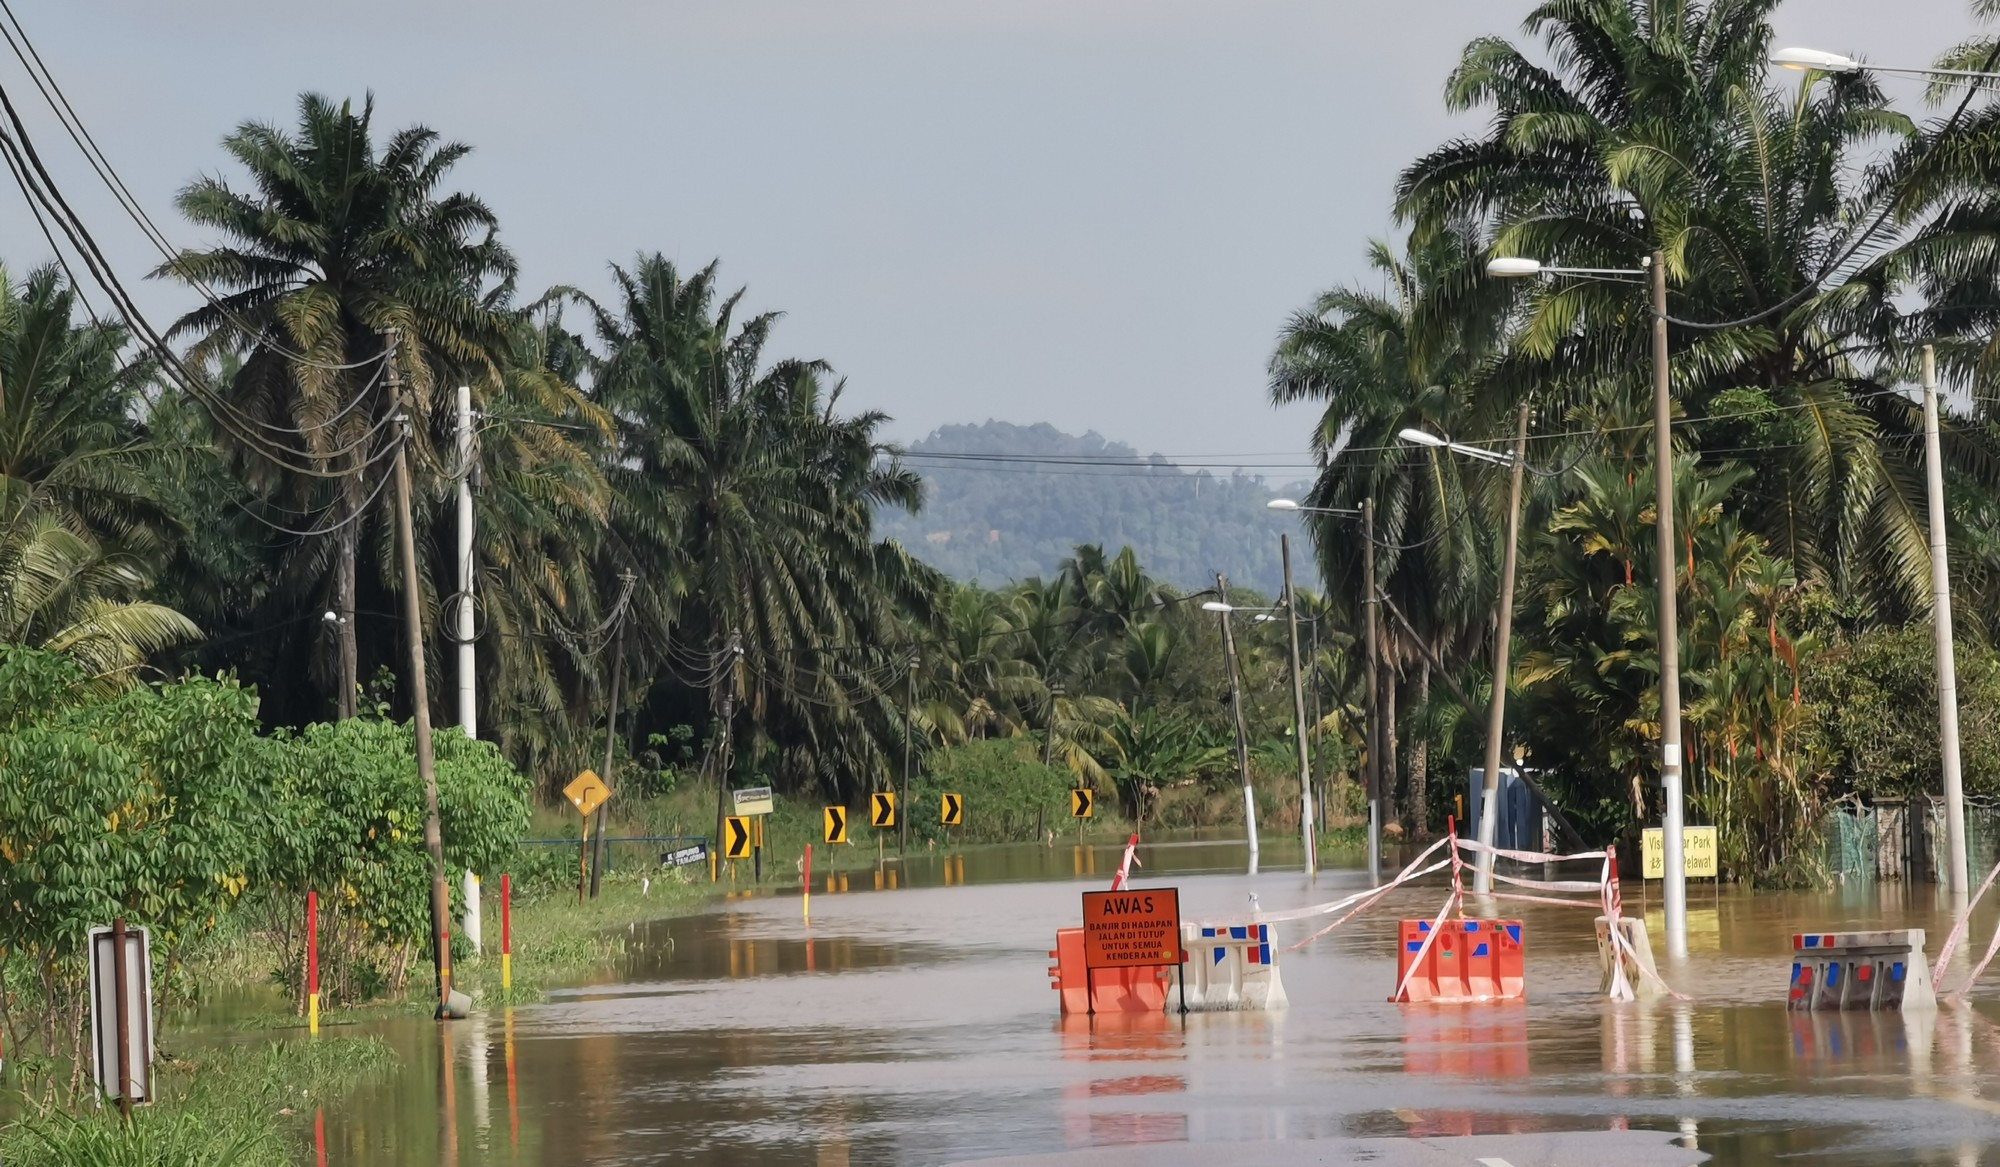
[913, 1023]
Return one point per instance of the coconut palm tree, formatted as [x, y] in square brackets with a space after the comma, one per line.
[337, 243]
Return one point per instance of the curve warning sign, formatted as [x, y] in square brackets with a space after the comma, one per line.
[1132, 929]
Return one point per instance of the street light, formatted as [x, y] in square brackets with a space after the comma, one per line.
[1821, 61]
[1957, 878]
[1373, 774]
[1669, 632]
[1503, 635]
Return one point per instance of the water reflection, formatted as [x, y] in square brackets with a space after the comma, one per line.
[915, 1025]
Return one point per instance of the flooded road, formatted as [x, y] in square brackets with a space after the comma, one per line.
[914, 1024]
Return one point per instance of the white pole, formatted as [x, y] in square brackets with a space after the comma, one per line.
[468, 706]
[1670, 639]
[1956, 877]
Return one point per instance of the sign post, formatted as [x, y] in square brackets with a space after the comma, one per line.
[586, 792]
[121, 1013]
[753, 803]
[1138, 928]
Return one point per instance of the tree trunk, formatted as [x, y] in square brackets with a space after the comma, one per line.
[1420, 762]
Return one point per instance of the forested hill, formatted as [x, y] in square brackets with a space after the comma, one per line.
[1006, 501]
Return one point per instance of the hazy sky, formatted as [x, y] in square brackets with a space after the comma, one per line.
[1090, 212]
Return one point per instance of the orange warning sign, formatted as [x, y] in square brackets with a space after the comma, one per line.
[1131, 929]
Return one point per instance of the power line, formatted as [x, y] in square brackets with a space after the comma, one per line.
[66, 115]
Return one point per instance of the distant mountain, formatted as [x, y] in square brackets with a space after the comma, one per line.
[1008, 501]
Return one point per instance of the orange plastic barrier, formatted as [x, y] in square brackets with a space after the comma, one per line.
[1470, 960]
[1108, 990]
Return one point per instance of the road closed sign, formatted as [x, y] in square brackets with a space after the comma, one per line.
[1132, 929]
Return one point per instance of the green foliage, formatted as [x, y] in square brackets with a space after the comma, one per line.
[1875, 694]
[146, 804]
[1009, 792]
[349, 810]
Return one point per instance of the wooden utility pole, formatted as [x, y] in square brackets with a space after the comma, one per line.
[1299, 711]
[1373, 774]
[722, 755]
[611, 726]
[1242, 727]
[420, 696]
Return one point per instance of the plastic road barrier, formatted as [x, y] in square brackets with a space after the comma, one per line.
[1460, 960]
[1230, 967]
[1107, 990]
[1631, 956]
[1860, 970]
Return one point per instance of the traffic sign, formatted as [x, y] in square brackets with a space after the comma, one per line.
[954, 810]
[686, 856]
[883, 809]
[755, 800]
[1080, 804]
[836, 824]
[736, 840]
[1131, 929]
[1699, 858]
[587, 792]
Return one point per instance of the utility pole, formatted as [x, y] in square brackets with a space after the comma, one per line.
[1957, 879]
[909, 716]
[1055, 689]
[1299, 711]
[1670, 636]
[611, 724]
[1373, 773]
[468, 705]
[722, 757]
[468, 693]
[1242, 728]
[420, 697]
[1503, 634]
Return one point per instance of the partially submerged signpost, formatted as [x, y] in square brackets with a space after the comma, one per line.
[1133, 928]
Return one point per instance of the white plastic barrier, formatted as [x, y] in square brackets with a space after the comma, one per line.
[1861, 970]
[1230, 967]
[1631, 957]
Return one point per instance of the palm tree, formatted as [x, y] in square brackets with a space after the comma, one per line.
[82, 530]
[1413, 356]
[747, 500]
[337, 245]
[1648, 124]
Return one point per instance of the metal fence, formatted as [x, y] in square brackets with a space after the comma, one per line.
[1893, 839]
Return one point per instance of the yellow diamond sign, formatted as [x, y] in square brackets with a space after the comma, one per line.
[587, 792]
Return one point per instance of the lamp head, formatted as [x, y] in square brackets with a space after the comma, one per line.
[1814, 60]
[1417, 437]
[1216, 606]
[1513, 267]
[1282, 504]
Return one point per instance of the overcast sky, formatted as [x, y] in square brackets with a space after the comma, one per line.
[1095, 213]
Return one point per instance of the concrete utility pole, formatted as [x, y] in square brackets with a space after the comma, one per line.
[909, 716]
[468, 704]
[1957, 877]
[1503, 633]
[1373, 735]
[420, 696]
[611, 725]
[468, 692]
[1670, 637]
[1299, 712]
[1242, 727]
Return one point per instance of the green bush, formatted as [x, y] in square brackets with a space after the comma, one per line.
[1008, 792]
